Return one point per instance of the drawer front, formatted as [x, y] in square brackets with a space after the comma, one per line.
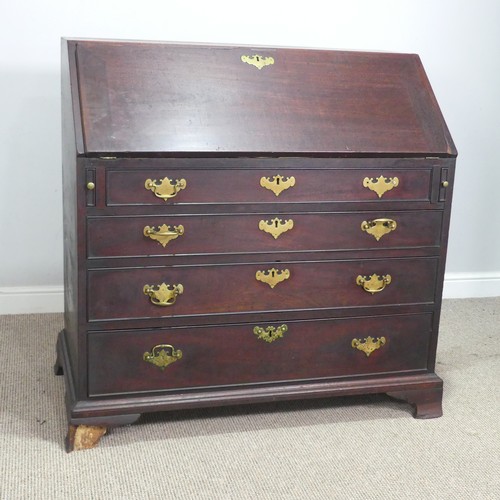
[269, 232]
[239, 288]
[231, 355]
[165, 187]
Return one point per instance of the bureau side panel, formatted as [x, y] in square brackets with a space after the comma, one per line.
[446, 175]
[71, 148]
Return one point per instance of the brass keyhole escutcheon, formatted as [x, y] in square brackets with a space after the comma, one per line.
[277, 183]
[276, 227]
[368, 345]
[270, 333]
[381, 184]
[258, 61]
[272, 276]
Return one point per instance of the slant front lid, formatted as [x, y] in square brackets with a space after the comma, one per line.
[168, 98]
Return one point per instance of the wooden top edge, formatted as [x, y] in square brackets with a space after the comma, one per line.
[173, 43]
[261, 154]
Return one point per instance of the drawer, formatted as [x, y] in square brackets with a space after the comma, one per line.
[235, 355]
[269, 232]
[165, 187]
[156, 292]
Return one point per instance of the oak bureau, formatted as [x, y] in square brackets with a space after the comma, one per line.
[248, 224]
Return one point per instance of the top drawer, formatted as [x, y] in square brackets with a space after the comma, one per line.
[160, 187]
[164, 183]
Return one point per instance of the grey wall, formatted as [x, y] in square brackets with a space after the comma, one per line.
[458, 41]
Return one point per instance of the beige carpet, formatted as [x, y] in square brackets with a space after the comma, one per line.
[347, 448]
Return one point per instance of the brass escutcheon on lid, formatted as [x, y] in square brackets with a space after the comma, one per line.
[258, 61]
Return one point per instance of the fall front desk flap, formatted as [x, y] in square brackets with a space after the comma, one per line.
[140, 98]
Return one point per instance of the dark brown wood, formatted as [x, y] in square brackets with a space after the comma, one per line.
[126, 187]
[118, 294]
[307, 101]
[115, 407]
[233, 355]
[234, 233]
[427, 403]
[76, 404]
[137, 111]
[71, 144]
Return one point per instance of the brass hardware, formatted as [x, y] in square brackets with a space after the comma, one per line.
[163, 234]
[159, 356]
[373, 284]
[272, 276]
[258, 61]
[378, 227]
[270, 333]
[90, 186]
[369, 345]
[163, 295]
[276, 226]
[445, 184]
[166, 188]
[278, 183]
[381, 184]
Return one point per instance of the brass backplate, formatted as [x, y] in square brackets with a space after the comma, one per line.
[165, 188]
[163, 234]
[276, 227]
[378, 227]
[374, 283]
[277, 183]
[163, 295]
[368, 345]
[381, 184]
[272, 276]
[270, 333]
[162, 355]
[258, 61]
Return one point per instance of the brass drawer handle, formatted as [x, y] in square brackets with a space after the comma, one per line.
[166, 188]
[160, 357]
[378, 227]
[373, 284]
[369, 345]
[163, 295]
[270, 333]
[278, 183]
[163, 234]
[381, 184]
[272, 276]
[276, 226]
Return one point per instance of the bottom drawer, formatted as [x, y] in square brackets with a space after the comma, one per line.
[181, 358]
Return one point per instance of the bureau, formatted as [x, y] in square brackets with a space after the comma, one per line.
[248, 224]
